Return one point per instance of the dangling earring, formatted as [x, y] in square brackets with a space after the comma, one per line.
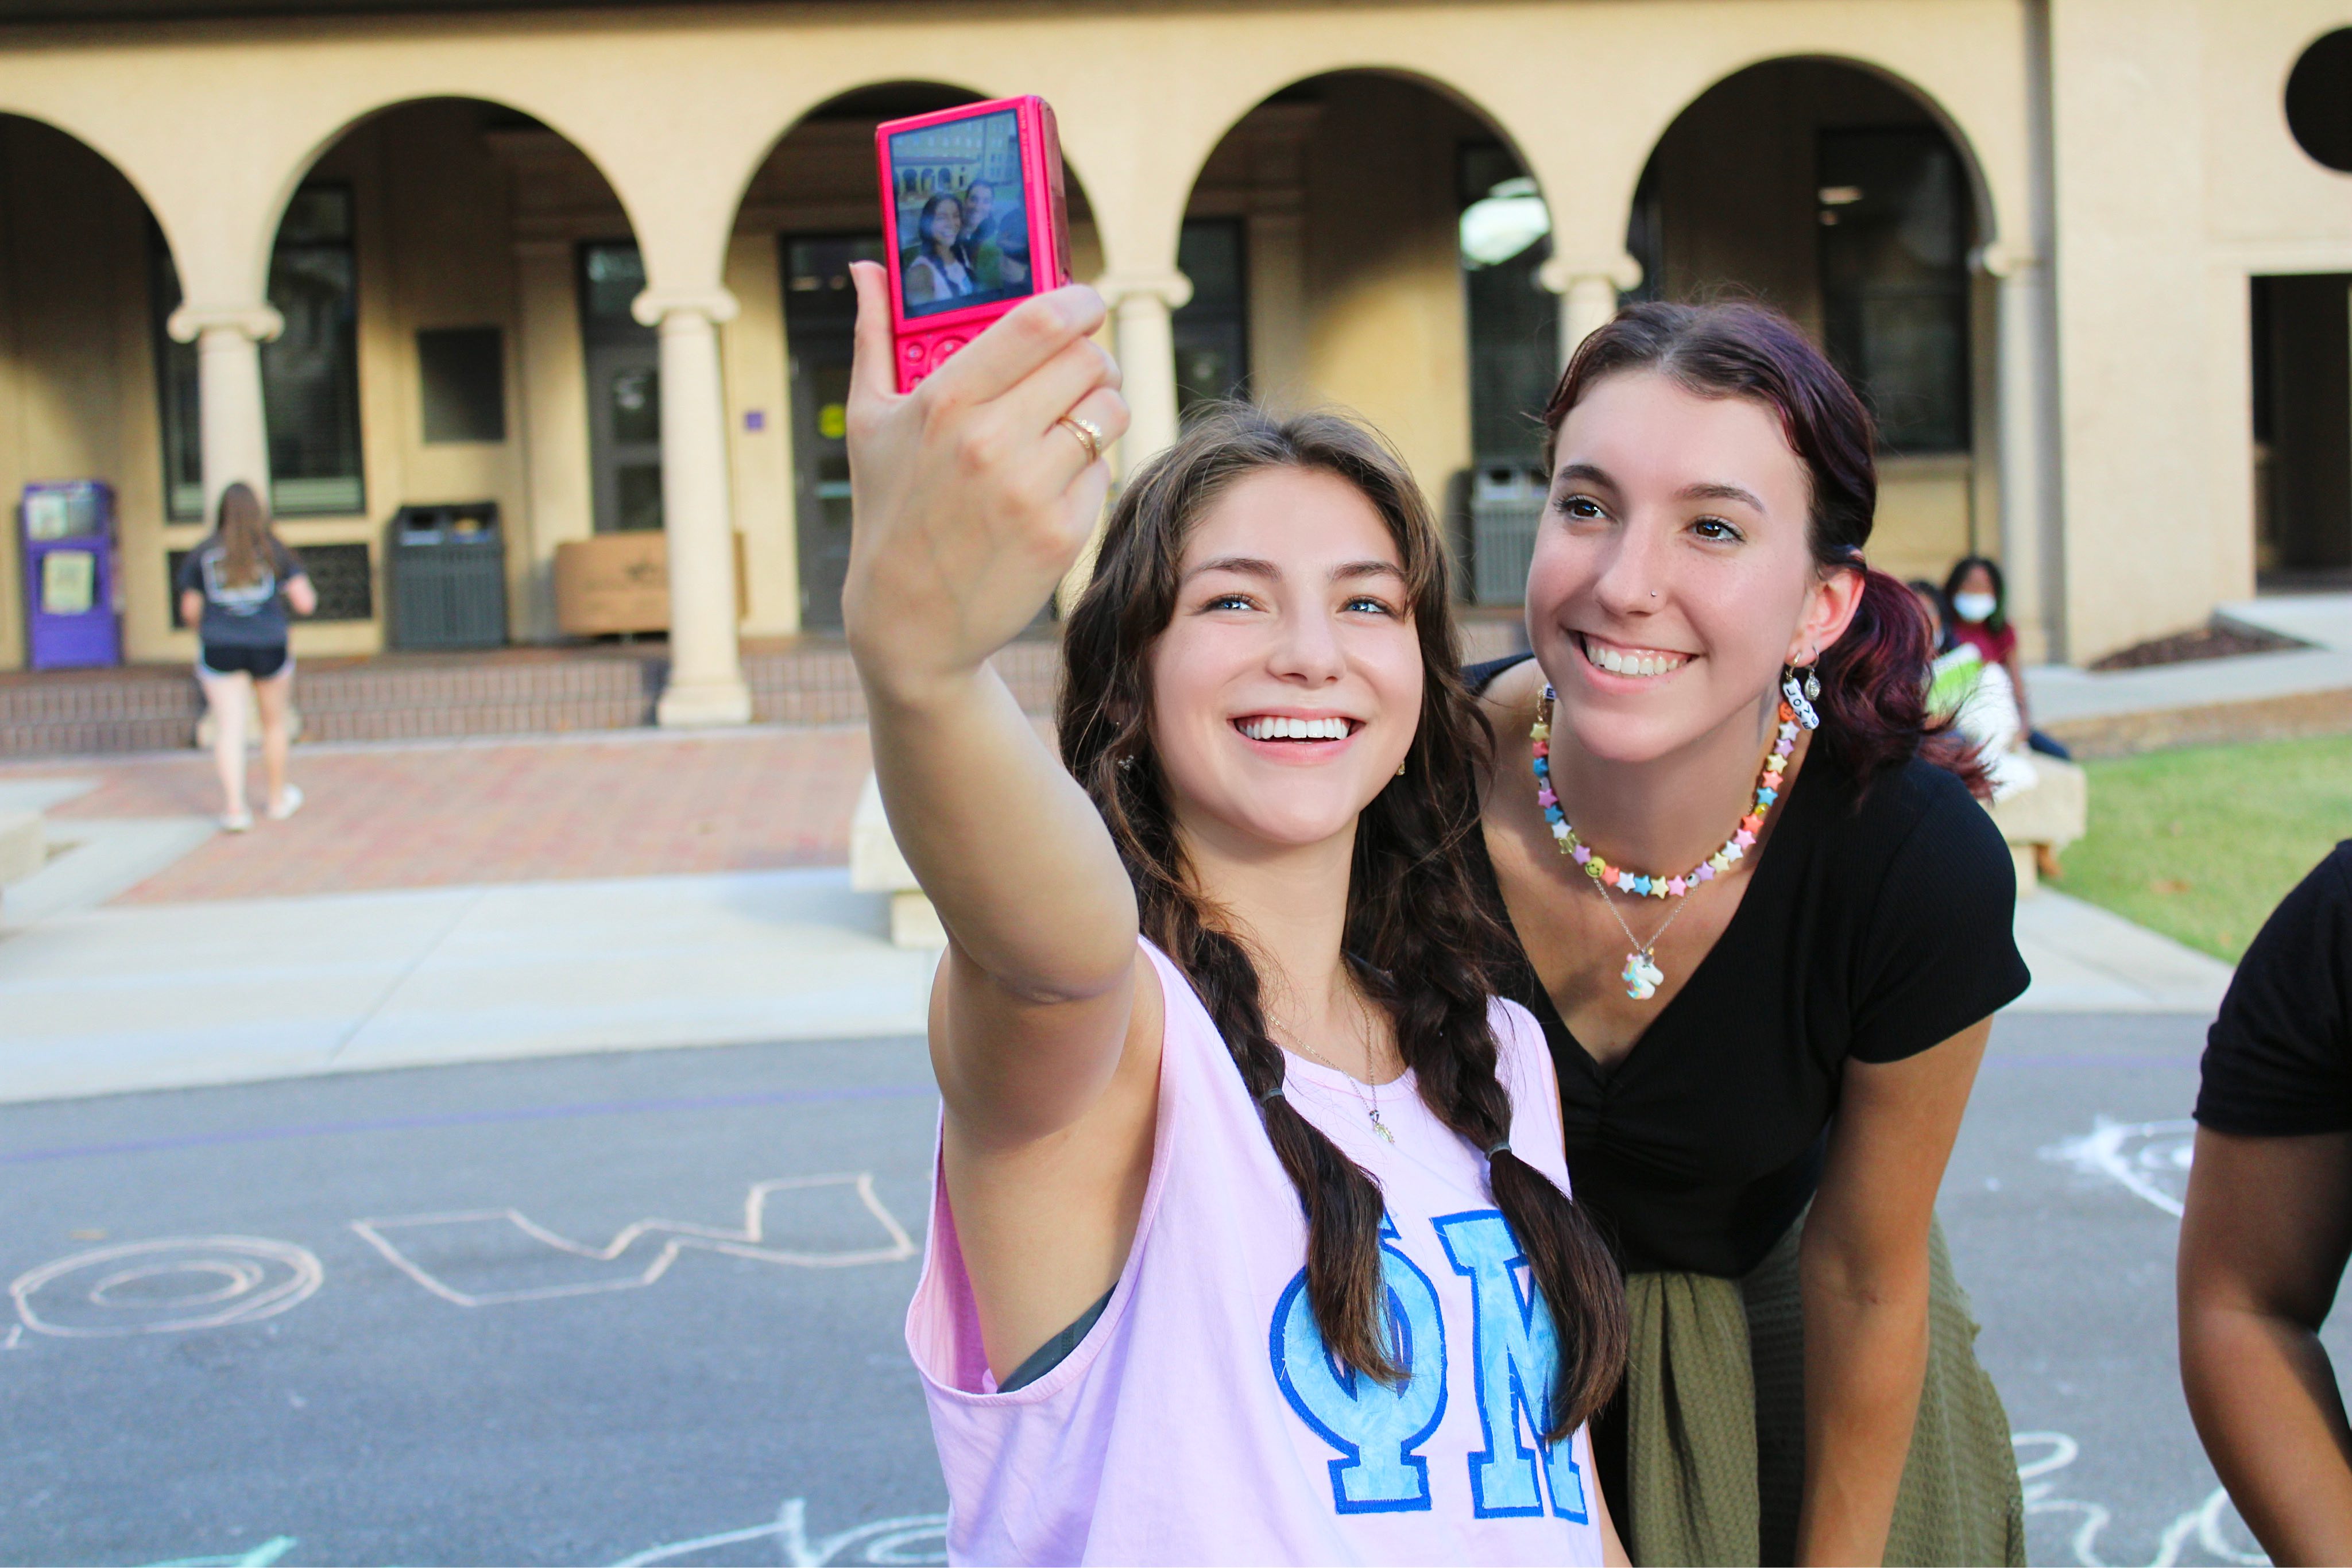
[1796, 696]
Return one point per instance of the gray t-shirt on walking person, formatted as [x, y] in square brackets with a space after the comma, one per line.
[242, 615]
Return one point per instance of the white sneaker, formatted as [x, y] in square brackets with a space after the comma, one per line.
[237, 822]
[288, 806]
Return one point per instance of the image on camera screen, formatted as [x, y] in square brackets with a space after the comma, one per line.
[963, 222]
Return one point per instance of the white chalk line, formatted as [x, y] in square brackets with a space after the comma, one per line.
[2108, 1150]
[2203, 1523]
[261, 1556]
[743, 1243]
[243, 1260]
[884, 1540]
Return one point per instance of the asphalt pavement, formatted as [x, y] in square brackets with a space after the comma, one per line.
[645, 1307]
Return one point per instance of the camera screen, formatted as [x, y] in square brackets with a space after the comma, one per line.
[963, 223]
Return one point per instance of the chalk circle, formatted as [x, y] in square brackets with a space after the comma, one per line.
[170, 1285]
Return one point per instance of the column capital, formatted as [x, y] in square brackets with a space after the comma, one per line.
[1173, 289]
[657, 305]
[2004, 260]
[1562, 272]
[259, 323]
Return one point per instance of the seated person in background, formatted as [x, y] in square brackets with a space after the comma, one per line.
[2268, 1225]
[1977, 606]
[938, 270]
[2040, 803]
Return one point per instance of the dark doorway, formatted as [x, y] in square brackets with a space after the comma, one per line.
[1213, 329]
[820, 323]
[2302, 428]
[624, 361]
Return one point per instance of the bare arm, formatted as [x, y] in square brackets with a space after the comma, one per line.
[1863, 1267]
[301, 594]
[2263, 1246]
[970, 503]
[2016, 682]
[191, 608]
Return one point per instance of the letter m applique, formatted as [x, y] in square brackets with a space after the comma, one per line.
[1516, 1352]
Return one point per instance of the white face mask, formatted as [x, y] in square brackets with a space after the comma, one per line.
[1974, 607]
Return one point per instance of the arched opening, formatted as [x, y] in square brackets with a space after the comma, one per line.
[459, 367]
[1838, 195]
[2302, 364]
[1366, 239]
[811, 209]
[77, 401]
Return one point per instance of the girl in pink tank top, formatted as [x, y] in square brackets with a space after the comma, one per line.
[1250, 1239]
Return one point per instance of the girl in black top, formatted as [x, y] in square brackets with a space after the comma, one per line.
[237, 590]
[1766, 954]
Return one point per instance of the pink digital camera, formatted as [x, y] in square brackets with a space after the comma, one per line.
[973, 214]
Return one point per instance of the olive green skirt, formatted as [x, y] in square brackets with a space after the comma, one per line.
[1715, 1426]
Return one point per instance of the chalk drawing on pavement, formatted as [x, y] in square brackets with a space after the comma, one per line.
[471, 1260]
[2150, 1159]
[913, 1538]
[171, 1285]
[261, 1556]
[2208, 1526]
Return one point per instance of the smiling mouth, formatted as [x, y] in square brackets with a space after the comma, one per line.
[1634, 662]
[1267, 727]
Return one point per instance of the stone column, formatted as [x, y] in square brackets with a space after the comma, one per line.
[235, 431]
[2028, 385]
[1140, 307]
[706, 670]
[1589, 287]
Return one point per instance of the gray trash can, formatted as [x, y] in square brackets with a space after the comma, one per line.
[445, 568]
[1506, 504]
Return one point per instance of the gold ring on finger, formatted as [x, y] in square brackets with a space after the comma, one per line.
[1089, 434]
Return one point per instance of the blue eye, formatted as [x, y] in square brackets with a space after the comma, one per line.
[1366, 602]
[1228, 601]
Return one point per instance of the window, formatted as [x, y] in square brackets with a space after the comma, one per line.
[624, 362]
[461, 372]
[1512, 321]
[1894, 226]
[1213, 329]
[310, 373]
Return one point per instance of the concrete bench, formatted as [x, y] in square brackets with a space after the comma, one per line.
[2051, 815]
[877, 866]
[24, 845]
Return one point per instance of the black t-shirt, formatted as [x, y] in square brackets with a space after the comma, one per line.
[2278, 1059]
[1872, 928]
[240, 615]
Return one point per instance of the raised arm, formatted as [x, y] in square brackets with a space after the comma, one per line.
[2262, 1244]
[1864, 1273]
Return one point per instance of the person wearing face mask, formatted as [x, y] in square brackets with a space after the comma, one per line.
[1978, 602]
[1765, 927]
[1250, 1238]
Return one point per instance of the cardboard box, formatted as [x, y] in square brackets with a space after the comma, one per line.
[620, 583]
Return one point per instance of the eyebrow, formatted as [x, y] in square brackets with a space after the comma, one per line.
[1251, 566]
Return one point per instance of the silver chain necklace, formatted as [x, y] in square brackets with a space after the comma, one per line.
[1371, 1108]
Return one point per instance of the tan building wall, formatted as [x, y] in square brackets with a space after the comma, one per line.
[2111, 458]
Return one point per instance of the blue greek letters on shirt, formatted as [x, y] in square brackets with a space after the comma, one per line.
[1377, 1428]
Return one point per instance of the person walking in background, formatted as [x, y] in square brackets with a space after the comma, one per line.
[1717, 770]
[1250, 1239]
[237, 588]
[1978, 598]
[2267, 1226]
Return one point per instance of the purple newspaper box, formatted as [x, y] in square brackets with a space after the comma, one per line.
[72, 617]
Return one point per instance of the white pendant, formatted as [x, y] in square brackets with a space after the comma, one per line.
[1642, 976]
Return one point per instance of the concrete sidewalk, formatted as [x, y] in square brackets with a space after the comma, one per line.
[167, 996]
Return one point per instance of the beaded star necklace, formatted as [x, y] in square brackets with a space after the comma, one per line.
[1642, 975]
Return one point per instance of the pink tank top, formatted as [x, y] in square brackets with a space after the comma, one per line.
[1202, 1421]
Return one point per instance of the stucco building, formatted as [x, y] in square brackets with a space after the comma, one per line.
[2089, 257]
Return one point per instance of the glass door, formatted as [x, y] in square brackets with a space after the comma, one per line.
[624, 362]
[819, 322]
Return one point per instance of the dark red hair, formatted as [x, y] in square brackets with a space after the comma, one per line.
[1874, 701]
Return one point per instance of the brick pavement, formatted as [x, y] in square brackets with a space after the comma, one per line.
[392, 815]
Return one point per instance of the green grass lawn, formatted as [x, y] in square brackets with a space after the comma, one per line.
[2202, 844]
